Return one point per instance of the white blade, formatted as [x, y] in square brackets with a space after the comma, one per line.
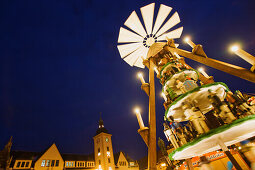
[147, 14]
[133, 57]
[128, 48]
[139, 63]
[162, 14]
[171, 35]
[175, 19]
[134, 24]
[126, 36]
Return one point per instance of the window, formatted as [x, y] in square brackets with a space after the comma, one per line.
[47, 163]
[27, 163]
[109, 160]
[108, 154]
[43, 163]
[66, 164]
[57, 163]
[22, 164]
[99, 162]
[52, 163]
[108, 148]
[18, 164]
[98, 150]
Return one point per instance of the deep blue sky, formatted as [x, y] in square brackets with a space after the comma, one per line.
[59, 67]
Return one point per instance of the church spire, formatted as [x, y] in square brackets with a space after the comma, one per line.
[101, 127]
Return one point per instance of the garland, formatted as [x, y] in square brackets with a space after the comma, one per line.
[211, 133]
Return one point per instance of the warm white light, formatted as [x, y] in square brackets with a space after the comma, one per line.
[163, 164]
[156, 70]
[164, 96]
[99, 154]
[137, 110]
[139, 117]
[239, 147]
[201, 70]
[108, 153]
[234, 48]
[186, 39]
[140, 76]
[243, 54]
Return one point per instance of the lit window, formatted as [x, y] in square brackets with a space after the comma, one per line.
[22, 164]
[52, 163]
[47, 163]
[108, 153]
[43, 163]
[110, 168]
[66, 164]
[18, 164]
[27, 163]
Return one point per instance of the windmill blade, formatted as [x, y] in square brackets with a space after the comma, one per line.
[139, 63]
[126, 36]
[175, 19]
[162, 14]
[134, 24]
[133, 57]
[126, 49]
[171, 35]
[147, 14]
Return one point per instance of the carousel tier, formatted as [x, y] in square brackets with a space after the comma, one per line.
[229, 134]
[200, 95]
[169, 66]
[181, 76]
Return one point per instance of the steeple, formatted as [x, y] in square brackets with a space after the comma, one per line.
[101, 127]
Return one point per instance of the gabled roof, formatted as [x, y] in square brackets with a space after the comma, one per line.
[117, 155]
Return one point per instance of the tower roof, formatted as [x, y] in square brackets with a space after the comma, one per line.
[101, 127]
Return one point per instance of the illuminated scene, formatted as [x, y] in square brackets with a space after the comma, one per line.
[130, 85]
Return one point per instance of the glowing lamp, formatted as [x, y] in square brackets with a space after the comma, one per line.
[140, 76]
[139, 117]
[163, 164]
[188, 41]
[201, 70]
[243, 54]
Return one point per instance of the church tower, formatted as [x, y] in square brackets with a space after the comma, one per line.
[104, 159]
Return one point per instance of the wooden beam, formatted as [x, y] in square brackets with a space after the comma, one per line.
[219, 65]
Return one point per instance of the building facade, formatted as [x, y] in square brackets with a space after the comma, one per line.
[51, 159]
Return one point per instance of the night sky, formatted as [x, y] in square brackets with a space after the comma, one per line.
[60, 67]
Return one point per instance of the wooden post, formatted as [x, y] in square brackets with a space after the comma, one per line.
[230, 156]
[152, 148]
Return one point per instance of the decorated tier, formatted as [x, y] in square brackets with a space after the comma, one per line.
[228, 134]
